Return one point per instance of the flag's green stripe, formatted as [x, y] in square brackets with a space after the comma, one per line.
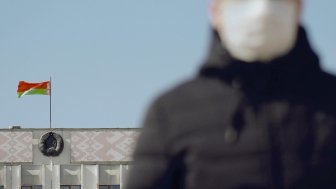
[35, 92]
[38, 91]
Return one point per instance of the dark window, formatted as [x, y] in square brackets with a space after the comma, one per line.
[29, 187]
[70, 187]
[109, 186]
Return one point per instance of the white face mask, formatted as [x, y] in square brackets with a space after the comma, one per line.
[258, 30]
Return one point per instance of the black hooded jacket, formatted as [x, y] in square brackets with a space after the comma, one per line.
[241, 125]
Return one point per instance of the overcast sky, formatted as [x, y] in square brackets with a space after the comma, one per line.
[109, 59]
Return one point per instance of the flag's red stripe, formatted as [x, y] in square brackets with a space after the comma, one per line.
[24, 86]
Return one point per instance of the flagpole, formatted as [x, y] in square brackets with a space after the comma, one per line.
[50, 103]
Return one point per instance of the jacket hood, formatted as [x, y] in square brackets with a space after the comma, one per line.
[220, 63]
[284, 77]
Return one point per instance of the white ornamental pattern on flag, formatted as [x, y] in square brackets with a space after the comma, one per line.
[16, 147]
[102, 145]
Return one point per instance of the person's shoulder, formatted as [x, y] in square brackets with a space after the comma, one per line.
[327, 81]
[330, 77]
[323, 91]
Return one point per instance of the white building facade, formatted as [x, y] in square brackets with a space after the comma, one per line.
[85, 158]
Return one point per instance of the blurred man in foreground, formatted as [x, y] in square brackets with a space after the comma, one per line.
[259, 115]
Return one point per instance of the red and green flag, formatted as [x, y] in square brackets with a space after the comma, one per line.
[25, 88]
